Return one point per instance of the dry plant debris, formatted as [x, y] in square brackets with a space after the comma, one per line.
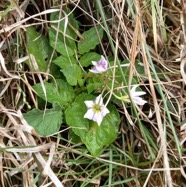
[149, 149]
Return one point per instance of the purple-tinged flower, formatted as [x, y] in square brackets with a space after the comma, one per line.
[100, 66]
[96, 110]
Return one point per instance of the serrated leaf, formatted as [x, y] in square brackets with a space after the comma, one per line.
[89, 40]
[74, 115]
[87, 58]
[73, 73]
[62, 94]
[46, 122]
[64, 61]
[38, 46]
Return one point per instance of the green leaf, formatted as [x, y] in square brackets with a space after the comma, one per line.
[91, 141]
[140, 68]
[46, 122]
[96, 86]
[74, 115]
[68, 27]
[93, 136]
[73, 73]
[73, 137]
[81, 82]
[104, 134]
[97, 83]
[87, 58]
[70, 70]
[89, 40]
[38, 46]
[64, 61]
[71, 24]
[63, 46]
[62, 94]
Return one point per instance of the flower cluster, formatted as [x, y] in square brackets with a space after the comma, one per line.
[96, 110]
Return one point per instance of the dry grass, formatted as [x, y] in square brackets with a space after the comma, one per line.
[147, 31]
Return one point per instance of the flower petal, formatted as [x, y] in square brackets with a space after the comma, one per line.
[94, 63]
[97, 69]
[103, 58]
[103, 62]
[89, 104]
[96, 115]
[139, 101]
[138, 93]
[105, 111]
[142, 102]
[99, 118]
[94, 70]
[99, 100]
[133, 89]
[89, 114]
[100, 69]
[100, 66]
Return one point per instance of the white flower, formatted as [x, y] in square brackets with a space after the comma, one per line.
[135, 96]
[96, 110]
[100, 66]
